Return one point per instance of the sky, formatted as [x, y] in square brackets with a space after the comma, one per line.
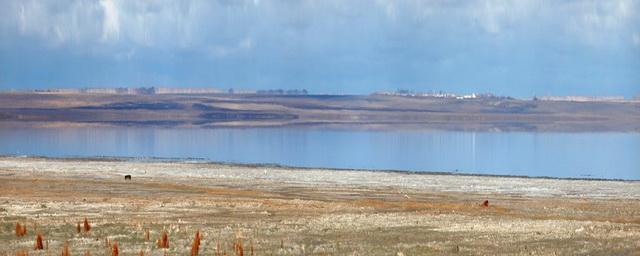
[518, 48]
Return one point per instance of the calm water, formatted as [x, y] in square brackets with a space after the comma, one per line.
[596, 155]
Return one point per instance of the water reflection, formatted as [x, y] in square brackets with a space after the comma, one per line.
[598, 155]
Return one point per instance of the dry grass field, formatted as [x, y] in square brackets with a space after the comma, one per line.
[270, 210]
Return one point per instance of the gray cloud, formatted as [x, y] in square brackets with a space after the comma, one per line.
[383, 43]
[168, 23]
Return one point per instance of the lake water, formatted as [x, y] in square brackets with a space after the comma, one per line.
[579, 155]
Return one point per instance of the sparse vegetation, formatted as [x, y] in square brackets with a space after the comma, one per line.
[87, 226]
[238, 248]
[163, 242]
[236, 217]
[39, 245]
[65, 249]
[195, 247]
[115, 250]
[21, 230]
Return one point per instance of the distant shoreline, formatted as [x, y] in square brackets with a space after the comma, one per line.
[487, 113]
[179, 160]
[200, 91]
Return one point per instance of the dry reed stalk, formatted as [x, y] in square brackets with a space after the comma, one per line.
[65, 249]
[251, 247]
[22, 253]
[87, 253]
[39, 245]
[78, 228]
[21, 230]
[18, 229]
[146, 235]
[163, 242]
[195, 247]
[237, 247]
[218, 248]
[115, 250]
[87, 226]
[141, 253]
[107, 242]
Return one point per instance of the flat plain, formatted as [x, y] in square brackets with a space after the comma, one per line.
[273, 210]
[348, 111]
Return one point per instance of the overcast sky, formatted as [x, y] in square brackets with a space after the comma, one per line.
[519, 48]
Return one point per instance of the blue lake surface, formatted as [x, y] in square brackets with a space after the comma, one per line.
[577, 155]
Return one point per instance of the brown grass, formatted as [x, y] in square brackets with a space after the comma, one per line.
[163, 242]
[39, 244]
[87, 253]
[239, 249]
[87, 226]
[485, 203]
[195, 247]
[22, 253]
[141, 253]
[115, 250]
[65, 249]
[21, 230]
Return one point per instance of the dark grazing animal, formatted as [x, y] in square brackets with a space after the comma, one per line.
[127, 177]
